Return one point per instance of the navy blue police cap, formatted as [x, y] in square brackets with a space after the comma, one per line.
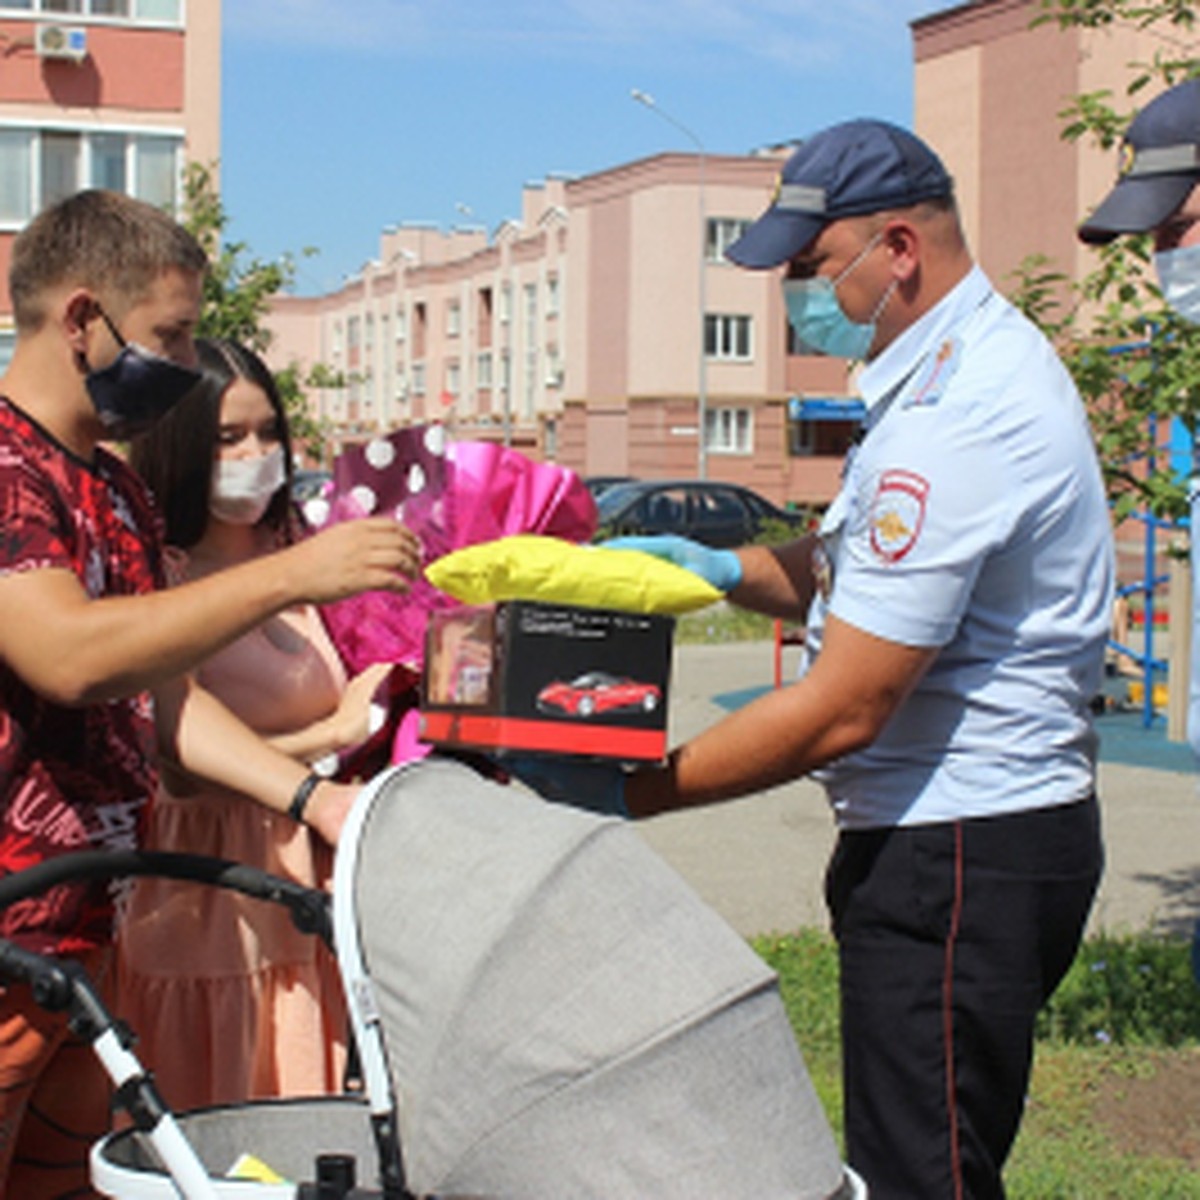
[848, 170]
[1159, 166]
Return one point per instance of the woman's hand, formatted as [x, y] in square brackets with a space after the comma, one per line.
[356, 718]
[328, 808]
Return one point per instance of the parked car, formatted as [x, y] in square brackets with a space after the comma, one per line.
[598, 692]
[599, 484]
[717, 514]
[308, 482]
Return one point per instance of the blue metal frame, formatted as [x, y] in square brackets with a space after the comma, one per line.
[1146, 586]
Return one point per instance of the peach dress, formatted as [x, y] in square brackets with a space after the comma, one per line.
[228, 1000]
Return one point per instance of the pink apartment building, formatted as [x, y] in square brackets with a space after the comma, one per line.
[102, 93]
[575, 332]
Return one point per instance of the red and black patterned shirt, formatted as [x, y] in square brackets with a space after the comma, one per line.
[71, 778]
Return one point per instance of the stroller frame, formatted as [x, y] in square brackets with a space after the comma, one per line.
[61, 985]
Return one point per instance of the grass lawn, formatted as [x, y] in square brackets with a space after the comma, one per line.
[1105, 1120]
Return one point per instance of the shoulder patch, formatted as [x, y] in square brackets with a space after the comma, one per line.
[897, 513]
[934, 375]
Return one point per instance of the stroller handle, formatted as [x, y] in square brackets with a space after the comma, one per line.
[310, 908]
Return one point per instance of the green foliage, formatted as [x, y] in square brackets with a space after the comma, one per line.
[806, 963]
[237, 295]
[1126, 990]
[720, 623]
[774, 532]
[1065, 1150]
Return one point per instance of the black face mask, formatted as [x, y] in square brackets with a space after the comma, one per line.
[136, 388]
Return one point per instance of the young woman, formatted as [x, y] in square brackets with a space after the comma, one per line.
[229, 1000]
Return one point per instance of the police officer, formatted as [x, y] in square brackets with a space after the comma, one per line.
[963, 591]
[1158, 191]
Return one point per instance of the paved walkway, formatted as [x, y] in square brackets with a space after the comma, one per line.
[760, 861]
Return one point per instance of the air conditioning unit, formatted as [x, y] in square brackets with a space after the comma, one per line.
[61, 41]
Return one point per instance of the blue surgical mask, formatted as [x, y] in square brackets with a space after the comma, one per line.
[1179, 280]
[136, 388]
[817, 316]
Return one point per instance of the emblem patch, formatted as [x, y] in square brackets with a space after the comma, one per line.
[936, 374]
[897, 513]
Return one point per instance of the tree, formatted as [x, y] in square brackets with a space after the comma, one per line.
[237, 294]
[1134, 359]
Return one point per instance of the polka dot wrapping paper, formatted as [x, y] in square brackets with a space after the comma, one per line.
[450, 494]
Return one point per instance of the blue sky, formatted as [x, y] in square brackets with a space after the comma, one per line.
[340, 118]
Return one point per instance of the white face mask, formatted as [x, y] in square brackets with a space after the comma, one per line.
[242, 488]
[1179, 280]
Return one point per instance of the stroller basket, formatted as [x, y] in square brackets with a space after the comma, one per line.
[289, 1136]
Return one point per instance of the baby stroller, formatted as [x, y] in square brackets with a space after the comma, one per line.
[542, 1010]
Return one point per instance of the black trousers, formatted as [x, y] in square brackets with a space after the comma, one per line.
[950, 938]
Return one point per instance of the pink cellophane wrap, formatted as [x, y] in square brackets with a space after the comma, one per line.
[450, 494]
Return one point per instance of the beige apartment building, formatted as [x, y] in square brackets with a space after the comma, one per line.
[604, 328]
[102, 93]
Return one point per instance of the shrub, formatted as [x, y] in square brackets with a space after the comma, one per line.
[1131, 989]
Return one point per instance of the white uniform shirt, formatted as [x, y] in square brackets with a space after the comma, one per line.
[973, 517]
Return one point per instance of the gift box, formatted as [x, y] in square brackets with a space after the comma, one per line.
[528, 677]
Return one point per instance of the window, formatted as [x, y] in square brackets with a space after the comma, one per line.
[167, 11]
[417, 346]
[807, 439]
[720, 233]
[729, 431]
[531, 389]
[16, 183]
[483, 371]
[60, 166]
[551, 295]
[453, 318]
[727, 337]
[39, 167]
[401, 324]
[157, 175]
[109, 153]
[453, 378]
[418, 379]
[483, 318]
[158, 12]
[505, 302]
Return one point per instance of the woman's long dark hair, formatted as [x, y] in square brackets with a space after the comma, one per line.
[175, 458]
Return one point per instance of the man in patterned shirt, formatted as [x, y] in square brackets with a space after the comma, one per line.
[106, 295]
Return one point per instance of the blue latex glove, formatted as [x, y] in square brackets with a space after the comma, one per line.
[721, 568]
[594, 786]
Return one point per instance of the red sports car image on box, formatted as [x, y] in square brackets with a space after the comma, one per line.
[598, 692]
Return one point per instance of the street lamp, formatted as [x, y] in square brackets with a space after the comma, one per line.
[644, 98]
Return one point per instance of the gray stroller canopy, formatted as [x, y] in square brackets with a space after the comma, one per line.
[561, 1016]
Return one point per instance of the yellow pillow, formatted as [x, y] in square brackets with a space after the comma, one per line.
[528, 566]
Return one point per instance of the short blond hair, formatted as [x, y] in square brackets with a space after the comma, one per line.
[97, 239]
